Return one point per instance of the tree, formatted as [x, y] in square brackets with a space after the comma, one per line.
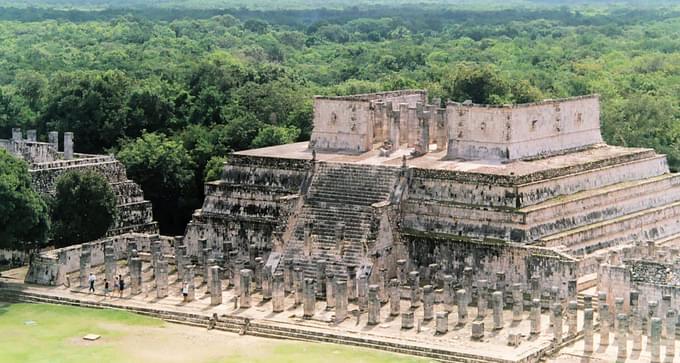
[275, 135]
[24, 217]
[83, 208]
[214, 168]
[164, 169]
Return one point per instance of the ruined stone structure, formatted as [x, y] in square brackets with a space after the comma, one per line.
[47, 163]
[451, 233]
[524, 189]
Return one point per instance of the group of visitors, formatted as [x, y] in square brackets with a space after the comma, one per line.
[118, 285]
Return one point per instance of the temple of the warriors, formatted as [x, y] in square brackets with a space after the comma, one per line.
[454, 231]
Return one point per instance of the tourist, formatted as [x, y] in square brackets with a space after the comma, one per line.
[121, 285]
[91, 280]
[185, 292]
[116, 284]
[106, 287]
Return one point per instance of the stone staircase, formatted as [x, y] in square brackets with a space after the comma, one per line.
[340, 194]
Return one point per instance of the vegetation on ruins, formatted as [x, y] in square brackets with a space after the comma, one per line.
[208, 80]
[82, 209]
[24, 218]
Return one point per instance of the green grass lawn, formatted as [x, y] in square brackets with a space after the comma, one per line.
[51, 333]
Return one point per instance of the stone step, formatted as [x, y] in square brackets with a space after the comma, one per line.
[649, 224]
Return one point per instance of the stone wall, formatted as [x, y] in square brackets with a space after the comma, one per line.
[249, 205]
[520, 131]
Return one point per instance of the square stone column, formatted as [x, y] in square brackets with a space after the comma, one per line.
[428, 303]
[258, 273]
[414, 283]
[215, 286]
[395, 298]
[110, 267]
[188, 280]
[572, 318]
[298, 285]
[497, 301]
[382, 288]
[135, 276]
[604, 324]
[362, 291]
[53, 139]
[266, 282]
[402, 276]
[407, 319]
[622, 336]
[535, 316]
[481, 299]
[373, 305]
[246, 288]
[671, 320]
[85, 267]
[161, 276]
[180, 259]
[517, 302]
[500, 283]
[442, 323]
[588, 330]
[278, 292]
[467, 284]
[309, 303]
[449, 293]
[68, 145]
[557, 322]
[461, 300]
[535, 288]
[321, 278]
[340, 301]
[655, 339]
[330, 291]
[288, 274]
[351, 282]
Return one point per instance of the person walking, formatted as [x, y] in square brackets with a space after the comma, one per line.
[121, 285]
[185, 292]
[106, 288]
[92, 279]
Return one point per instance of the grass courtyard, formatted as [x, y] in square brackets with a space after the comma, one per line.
[53, 334]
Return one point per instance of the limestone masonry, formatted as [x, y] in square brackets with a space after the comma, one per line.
[463, 233]
[46, 164]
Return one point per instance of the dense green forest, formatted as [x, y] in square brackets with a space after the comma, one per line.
[172, 89]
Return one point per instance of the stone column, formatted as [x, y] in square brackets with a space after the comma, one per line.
[298, 285]
[330, 291]
[85, 266]
[477, 330]
[252, 255]
[554, 292]
[481, 299]
[500, 283]
[557, 322]
[68, 145]
[373, 305]
[414, 283]
[517, 302]
[215, 286]
[535, 316]
[461, 300]
[618, 304]
[636, 327]
[401, 272]
[340, 301]
[588, 330]
[651, 313]
[309, 303]
[236, 267]
[205, 256]
[671, 320]
[288, 274]
[245, 288]
[449, 293]
[572, 317]
[535, 288]
[572, 290]
[135, 276]
[431, 273]
[655, 335]
[467, 284]
[259, 273]
[109, 263]
[161, 275]
[663, 309]
[278, 292]
[266, 282]
[351, 282]
[155, 247]
[53, 137]
[622, 336]
[604, 323]
[407, 318]
[180, 261]
[497, 301]
[189, 273]
[428, 302]
[382, 290]
[362, 292]
[442, 322]
[587, 302]
[395, 297]
[321, 279]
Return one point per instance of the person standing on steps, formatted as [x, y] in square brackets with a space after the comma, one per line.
[92, 279]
